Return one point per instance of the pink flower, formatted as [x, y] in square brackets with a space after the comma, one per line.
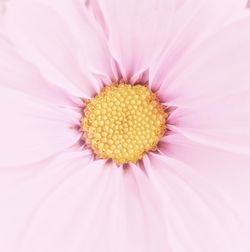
[191, 194]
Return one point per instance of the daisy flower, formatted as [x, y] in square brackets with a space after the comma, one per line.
[125, 126]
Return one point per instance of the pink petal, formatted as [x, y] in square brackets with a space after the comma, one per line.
[229, 172]
[137, 31]
[193, 22]
[200, 76]
[145, 218]
[38, 198]
[20, 75]
[32, 129]
[199, 217]
[92, 40]
[122, 215]
[212, 92]
[65, 53]
[95, 9]
[71, 203]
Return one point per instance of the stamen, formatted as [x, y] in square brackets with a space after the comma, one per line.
[123, 122]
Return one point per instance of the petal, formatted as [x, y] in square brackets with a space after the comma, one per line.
[193, 23]
[33, 195]
[146, 219]
[201, 74]
[129, 218]
[137, 31]
[229, 172]
[199, 217]
[212, 92]
[92, 40]
[32, 130]
[72, 202]
[20, 75]
[226, 171]
[66, 54]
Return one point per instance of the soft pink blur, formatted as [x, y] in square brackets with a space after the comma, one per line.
[2, 7]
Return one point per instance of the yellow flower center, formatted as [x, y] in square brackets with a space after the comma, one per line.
[122, 122]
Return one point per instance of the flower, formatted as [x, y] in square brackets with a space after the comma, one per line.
[191, 59]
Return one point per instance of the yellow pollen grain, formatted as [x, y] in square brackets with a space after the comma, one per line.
[123, 122]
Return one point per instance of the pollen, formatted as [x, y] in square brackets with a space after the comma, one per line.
[123, 122]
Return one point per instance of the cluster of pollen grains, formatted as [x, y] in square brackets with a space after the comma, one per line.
[122, 122]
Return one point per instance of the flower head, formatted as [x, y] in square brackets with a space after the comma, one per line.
[123, 122]
[125, 126]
